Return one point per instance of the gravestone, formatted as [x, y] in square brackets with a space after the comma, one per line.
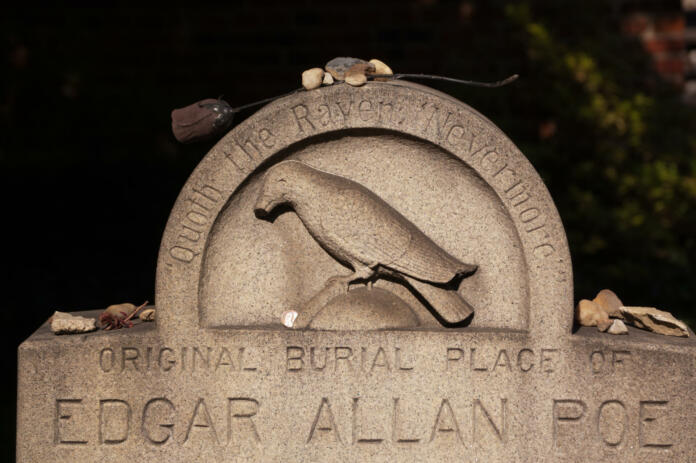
[360, 274]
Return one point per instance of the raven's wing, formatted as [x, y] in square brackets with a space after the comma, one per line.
[427, 261]
[365, 228]
[371, 231]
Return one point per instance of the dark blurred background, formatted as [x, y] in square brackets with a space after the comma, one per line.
[89, 168]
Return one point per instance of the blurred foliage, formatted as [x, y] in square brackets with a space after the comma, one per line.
[616, 146]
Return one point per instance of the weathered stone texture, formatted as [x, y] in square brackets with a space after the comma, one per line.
[217, 377]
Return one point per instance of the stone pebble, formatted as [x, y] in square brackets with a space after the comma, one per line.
[338, 67]
[588, 313]
[356, 75]
[65, 323]
[609, 302]
[312, 78]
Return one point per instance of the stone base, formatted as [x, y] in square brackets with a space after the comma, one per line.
[365, 309]
[411, 395]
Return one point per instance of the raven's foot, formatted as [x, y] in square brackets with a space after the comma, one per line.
[341, 280]
[361, 273]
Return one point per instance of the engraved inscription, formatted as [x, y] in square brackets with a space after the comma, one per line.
[183, 359]
[612, 425]
[609, 362]
[334, 359]
[162, 421]
[450, 422]
[337, 112]
[244, 155]
[201, 201]
[524, 360]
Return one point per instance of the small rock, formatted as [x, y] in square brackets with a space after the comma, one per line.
[147, 315]
[356, 77]
[312, 78]
[657, 321]
[328, 79]
[381, 68]
[588, 313]
[288, 318]
[617, 327]
[603, 325]
[610, 302]
[338, 67]
[65, 323]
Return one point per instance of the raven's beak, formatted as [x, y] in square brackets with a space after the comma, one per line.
[264, 205]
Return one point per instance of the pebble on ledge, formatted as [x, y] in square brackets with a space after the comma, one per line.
[65, 323]
[608, 314]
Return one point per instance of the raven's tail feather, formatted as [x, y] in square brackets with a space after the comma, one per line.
[446, 302]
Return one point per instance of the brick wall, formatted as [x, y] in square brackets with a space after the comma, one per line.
[690, 42]
[667, 31]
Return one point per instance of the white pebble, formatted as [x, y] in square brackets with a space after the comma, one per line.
[288, 318]
[312, 78]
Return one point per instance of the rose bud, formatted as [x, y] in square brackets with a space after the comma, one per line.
[201, 120]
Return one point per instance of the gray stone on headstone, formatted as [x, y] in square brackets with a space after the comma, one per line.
[430, 277]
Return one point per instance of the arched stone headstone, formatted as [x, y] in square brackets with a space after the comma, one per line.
[441, 164]
[454, 342]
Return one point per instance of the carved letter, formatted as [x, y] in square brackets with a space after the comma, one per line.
[566, 411]
[502, 361]
[241, 409]
[454, 354]
[445, 422]
[500, 431]
[107, 418]
[530, 365]
[365, 110]
[324, 421]
[357, 427]
[648, 417]
[224, 360]
[606, 422]
[182, 254]
[396, 428]
[64, 415]
[168, 425]
[201, 410]
[380, 360]
[106, 366]
[300, 112]
[293, 358]
[166, 364]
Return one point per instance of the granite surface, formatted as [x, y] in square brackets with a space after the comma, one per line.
[218, 378]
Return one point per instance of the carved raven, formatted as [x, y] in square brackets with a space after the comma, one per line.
[358, 228]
